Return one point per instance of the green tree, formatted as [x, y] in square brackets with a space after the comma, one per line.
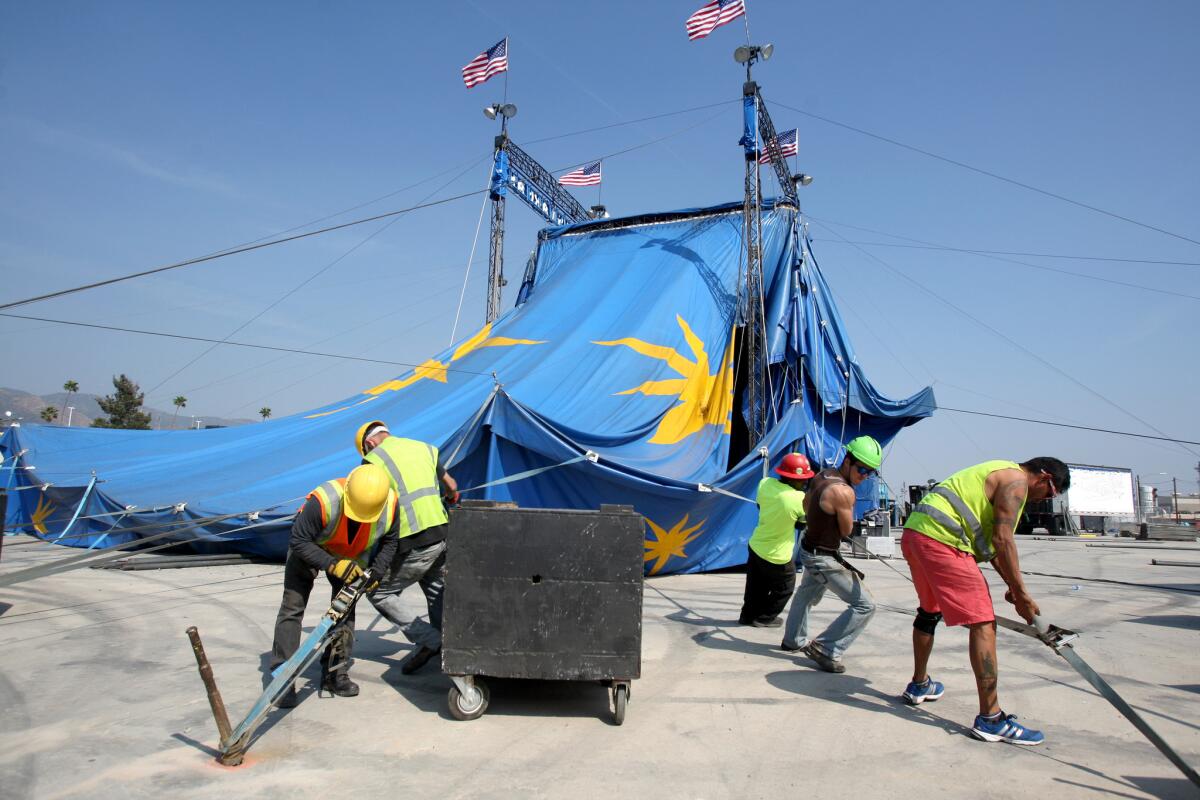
[123, 407]
[49, 413]
[70, 387]
[265, 411]
[179, 402]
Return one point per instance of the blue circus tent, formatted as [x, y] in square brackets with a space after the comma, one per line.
[616, 378]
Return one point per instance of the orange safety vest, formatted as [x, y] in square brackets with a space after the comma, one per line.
[335, 533]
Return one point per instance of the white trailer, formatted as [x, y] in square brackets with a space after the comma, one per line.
[1101, 498]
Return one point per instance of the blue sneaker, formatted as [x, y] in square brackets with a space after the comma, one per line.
[918, 693]
[1005, 729]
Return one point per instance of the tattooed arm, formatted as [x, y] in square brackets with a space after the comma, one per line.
[1008, 495]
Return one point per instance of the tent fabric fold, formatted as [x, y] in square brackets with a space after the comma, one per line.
[624, 342]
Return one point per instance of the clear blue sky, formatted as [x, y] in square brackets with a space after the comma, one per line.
[138, 134]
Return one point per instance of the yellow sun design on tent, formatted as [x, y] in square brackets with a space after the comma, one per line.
[44, 509]
[433, 369]
[669, 543]
[704, 399]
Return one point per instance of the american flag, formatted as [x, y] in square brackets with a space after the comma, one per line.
[584, 176]
[713, 15]
[490, 62]
[787, 144]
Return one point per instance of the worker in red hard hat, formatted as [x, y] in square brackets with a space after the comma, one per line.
[770, 563]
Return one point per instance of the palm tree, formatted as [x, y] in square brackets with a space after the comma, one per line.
[179, 402]
[70, 387]
[49, 413]
[265, 411]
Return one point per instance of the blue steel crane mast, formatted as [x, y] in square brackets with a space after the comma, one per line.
[514, 170]
[758, 135]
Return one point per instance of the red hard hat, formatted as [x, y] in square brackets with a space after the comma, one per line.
[795, 466]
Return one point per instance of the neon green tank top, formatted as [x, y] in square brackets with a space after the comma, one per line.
[957, 512]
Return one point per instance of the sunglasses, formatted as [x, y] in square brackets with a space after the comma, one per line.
[865, 471]
[1053, 488]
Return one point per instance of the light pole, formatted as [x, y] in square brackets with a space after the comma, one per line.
[1175, 497]
[70, 414]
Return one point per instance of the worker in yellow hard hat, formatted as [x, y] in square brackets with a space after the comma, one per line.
[346, 526]
[423, 488]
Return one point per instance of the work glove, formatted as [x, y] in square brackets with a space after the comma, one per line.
[451, 498]
[344, 570]
[373, 578]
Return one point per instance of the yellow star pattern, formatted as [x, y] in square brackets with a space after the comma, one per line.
[669, 543]
[704, 399]
[44, 509]
[433, 369]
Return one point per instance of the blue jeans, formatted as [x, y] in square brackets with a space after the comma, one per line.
[823, 572]
[426, 566]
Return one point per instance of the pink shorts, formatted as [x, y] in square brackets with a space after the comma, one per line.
[947, 580]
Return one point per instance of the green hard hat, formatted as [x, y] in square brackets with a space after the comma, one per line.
[866, 451]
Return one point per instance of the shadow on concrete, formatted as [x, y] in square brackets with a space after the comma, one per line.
[856, 692]
[1091, 788]
[1185, 687]
[719, 639]
[1187, 622]
[429, 691]
[688, 617]
[201, 746]
[4, 607]
[520, 697]
[236, 717]
[1087, 689]
[1163, 787]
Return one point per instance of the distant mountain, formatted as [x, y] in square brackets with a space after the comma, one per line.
[29, 408]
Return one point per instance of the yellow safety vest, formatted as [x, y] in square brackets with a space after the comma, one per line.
[335, 533]
[957, 512]
[412, 467]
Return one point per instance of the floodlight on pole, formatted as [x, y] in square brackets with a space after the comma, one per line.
[802, 179]
[506, 110]
[749, 53]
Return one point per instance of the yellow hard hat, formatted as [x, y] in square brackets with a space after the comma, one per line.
[360, 435]
[367, 491]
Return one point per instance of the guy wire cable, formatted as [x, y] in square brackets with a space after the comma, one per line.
[107, 554]
[989, 174]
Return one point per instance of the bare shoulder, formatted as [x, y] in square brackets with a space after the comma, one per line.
[839, 495]
[1003, 477]
[1006, 486]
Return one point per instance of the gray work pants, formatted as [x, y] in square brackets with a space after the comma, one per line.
[426, 566]
[823, 572]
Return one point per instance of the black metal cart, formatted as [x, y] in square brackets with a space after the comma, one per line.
[549, 594]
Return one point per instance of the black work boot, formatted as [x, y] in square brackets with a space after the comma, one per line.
[339, 683]
[417, 659]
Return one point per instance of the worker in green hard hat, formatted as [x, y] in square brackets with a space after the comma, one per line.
[829, 509]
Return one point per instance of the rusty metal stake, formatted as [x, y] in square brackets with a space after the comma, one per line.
[214, 697]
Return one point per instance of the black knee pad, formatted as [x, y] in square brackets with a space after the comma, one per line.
[926, 622]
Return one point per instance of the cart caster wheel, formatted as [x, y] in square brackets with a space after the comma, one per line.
[461, 709]
[620, 701]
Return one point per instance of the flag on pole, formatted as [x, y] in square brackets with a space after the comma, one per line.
[490, 62]
[713, 15]
[787, 146]
[584, 176]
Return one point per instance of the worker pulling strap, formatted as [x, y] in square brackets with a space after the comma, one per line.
[1061, 641]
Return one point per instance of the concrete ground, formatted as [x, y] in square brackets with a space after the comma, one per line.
[100, 697]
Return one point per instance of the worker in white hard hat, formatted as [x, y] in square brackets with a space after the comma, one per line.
[346, 526]
[424, 489]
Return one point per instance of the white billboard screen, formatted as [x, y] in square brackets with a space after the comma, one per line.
[1100, 491]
